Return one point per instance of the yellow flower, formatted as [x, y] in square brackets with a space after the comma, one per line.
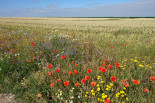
[103, 94]
[135, 60]
[131, 59]
[92, 90]
[150, 67]
[97, 85]
[103, 97]
[93, 93]
[141, 65]
[143, 61]
[85, 95]
[124, 88]
[111, 84]
[98, 99]
[87, 92]
[123, 68]
[106, 96]
[98, 89]
[107, 89]
[102, 82]
[122, 95]
[136, 57]
[127, 98]
[122, 92]
[124, 65]
[98, 77]
[103, 100]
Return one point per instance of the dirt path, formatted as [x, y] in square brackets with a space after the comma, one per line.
[7, 98]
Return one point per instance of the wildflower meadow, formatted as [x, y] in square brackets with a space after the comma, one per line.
[78, 60]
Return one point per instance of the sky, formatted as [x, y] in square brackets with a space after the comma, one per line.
[77, 8]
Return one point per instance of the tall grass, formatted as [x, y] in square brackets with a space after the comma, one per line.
[83, 49]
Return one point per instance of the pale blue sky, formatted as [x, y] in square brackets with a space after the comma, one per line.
[76, 8]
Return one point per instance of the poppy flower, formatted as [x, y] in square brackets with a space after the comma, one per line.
[76, 84]
[63, 57]
[126, 85]
[136, 82]
[52, 85]
[58, 70]
[34, 58]
[66, 83]
[58, 80]
[117, 65]
[50, 65]
[100, 68]
[56, 51]
[103, 70]
[87, 77]
[39, 95]
[12, 51]
[75, 71]
[49, 73]
[107, 101]
[76, 65]
[123, 80]
[1, 44]
[70, 72]
[83, 81]
[152, 78]
[146, 90]
[109, 66]
[28, 61]
[88, 70]
[113, 78]
[93, 83]
[106, 60]
[72, 62]
[103, 64]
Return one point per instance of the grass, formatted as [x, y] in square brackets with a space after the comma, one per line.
[75, 45]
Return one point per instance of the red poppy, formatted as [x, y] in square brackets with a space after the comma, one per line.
[50, 65]
[52, 85]
[83, 81]
[27, 38]
[56, 51]
[146, 90]
[126, 85]
[72, 62]
[106, 60]
[107, 101]
[34, 58]
[63, 57]
[109, 66]
[76, 65]
[100, 68]
[113, 78]
[93, 83]
[39, 95]
[88, 70]
[66, 83]
[76, 84]
[103, 70]
[103, 64]
[1, 44]
[87, 77]
[152, 78]
[49, 73]
[123, 80]
[58, 80]
[117, 65]
[75, 71]
[58, 70]
[28, 61]
[12, 51]
[136, 82]
[70, 72]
